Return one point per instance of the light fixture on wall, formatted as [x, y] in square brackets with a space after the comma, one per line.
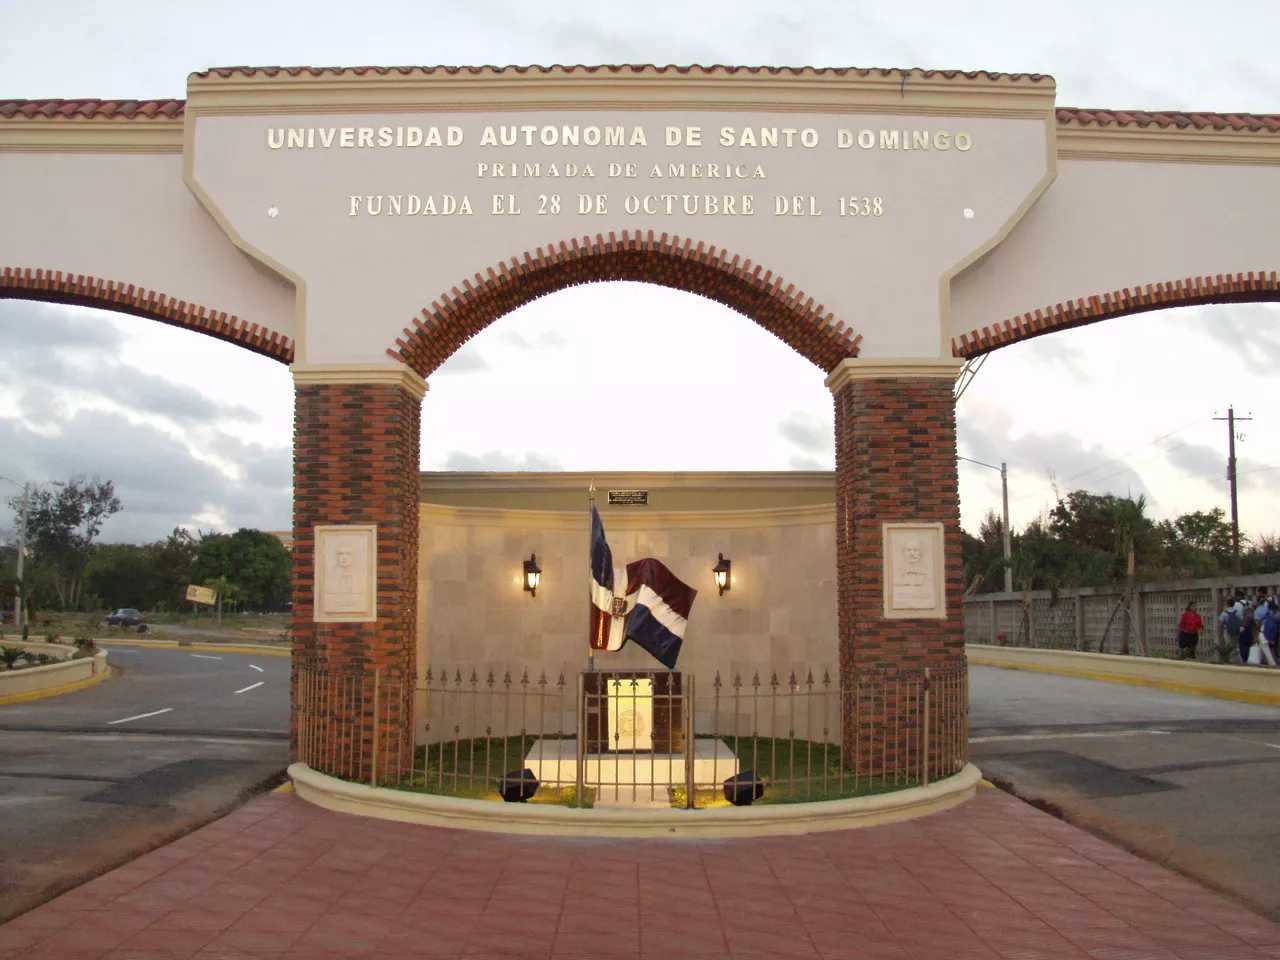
[721, 572]
[532, 574]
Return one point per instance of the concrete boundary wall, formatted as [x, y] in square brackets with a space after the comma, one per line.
[1248, 684]
[1077, 618]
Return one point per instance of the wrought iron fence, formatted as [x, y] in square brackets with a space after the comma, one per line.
[636, 738]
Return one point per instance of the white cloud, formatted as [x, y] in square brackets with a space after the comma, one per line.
[1126, 405]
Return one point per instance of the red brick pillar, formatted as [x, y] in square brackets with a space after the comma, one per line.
[897, 491]
[355, 456]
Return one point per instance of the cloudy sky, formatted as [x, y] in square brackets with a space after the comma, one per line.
[197, 433]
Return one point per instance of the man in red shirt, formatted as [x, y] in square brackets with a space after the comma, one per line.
[1189, 626]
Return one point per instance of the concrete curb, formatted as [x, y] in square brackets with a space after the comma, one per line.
[37, 683]
[539, 820]
[259, 648]
[1245, 684]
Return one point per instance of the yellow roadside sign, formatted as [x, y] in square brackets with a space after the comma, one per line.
[202, 594]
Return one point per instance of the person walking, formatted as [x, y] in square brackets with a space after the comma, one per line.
[1248, 630]
[1232, 624]
[1268, 634]
[1189, 626]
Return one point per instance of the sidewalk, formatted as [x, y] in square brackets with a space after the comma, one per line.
[994, 878]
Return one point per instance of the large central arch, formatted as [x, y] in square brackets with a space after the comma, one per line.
[669, 261]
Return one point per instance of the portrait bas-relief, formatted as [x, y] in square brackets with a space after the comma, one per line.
[913, 571]
[346, 574]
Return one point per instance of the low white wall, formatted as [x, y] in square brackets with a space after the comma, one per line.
[39, 679]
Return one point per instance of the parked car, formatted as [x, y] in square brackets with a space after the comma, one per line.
[128, 617]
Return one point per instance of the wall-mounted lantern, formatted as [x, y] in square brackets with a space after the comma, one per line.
[532, 575]
[721, 571]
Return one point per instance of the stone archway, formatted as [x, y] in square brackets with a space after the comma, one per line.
[1260, 287]
[665, 260]
[54, 286]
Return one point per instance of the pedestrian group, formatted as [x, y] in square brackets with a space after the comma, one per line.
[1252, 627]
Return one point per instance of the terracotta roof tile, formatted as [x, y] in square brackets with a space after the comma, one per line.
[106, 109]
[228, 72]
[1068, 116]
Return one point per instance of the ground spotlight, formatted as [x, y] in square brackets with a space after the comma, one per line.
[742, 789]
[518, 786]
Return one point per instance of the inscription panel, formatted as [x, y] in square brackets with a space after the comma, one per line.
[346, 574]
[913, 571]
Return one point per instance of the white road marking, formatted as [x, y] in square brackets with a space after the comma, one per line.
[252, 686]
[141, 716]
[1256, 743]
[1071, 736]
[254, 666]
[201, 656]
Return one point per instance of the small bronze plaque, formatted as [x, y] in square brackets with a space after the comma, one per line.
[629, 498]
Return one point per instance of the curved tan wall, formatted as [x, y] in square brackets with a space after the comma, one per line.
[780, 612]
[130, 218]
[36, 680]
[1107, 225]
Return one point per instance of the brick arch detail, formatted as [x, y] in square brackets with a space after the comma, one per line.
[1253, 287]
[666, 260]
[54, 286]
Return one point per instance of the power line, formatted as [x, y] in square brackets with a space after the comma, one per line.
[1135, 450]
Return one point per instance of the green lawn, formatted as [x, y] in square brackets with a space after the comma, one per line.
[471, 768]
[800, 771]
[794, 771]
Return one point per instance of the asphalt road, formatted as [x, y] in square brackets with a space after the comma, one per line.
[91, 779]
[1190, 782]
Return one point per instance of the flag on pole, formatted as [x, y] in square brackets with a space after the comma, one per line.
[659, 604]
[607, 624]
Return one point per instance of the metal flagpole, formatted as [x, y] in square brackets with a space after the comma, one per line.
[591, 649]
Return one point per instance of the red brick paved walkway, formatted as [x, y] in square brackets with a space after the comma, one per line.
[991, 879]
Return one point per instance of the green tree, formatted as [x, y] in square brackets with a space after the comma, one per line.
[121, 574]
[171, 561]
[1262, 556]
[257, 563]
[1100, 530]
[61, 528]
[1196, 544]
[984, 555]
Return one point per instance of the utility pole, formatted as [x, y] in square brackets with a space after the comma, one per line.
[1008, 537]
[1232, 420]
[1008, 534]
[19, 604]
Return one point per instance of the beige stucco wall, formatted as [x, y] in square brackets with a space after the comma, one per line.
[780, 613]
[130, 218]
[879, 275]
[1107, 225]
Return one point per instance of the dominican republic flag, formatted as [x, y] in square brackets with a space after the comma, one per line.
[607, 630]
[659, 606]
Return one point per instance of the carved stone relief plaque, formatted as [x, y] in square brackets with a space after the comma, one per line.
[346, 574]
[913, 571]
